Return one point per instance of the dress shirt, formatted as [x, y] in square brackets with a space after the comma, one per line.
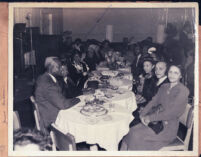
[138, 58]
[161, 80]
[65, 80]
[53, 78]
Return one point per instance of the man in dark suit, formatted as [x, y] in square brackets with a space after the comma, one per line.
[136, 66]
[48, 93]
[69, 89]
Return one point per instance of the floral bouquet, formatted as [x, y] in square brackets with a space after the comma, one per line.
[114, 60]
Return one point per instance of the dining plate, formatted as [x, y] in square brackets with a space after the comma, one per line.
[109, 73]
[93, 111]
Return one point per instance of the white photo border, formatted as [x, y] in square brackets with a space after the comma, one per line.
[100, 153]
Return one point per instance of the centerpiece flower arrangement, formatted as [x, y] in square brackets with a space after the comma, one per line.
[114, 60]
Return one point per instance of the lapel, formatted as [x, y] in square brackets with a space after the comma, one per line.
[53, 82]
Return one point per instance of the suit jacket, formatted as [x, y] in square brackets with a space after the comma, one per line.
[173, 103]
[156, 87]
[69, 89]
[91, 62]
[149, 88]
[75, 74]
[49, 98]
[137, 66]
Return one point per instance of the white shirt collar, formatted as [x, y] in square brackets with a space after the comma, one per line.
[138, 58]
[53, 78]
[161, 80]
[65, 79]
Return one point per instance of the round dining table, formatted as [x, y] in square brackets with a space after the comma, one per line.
[106, 130]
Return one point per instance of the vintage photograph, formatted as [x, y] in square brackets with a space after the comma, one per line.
[96, 78]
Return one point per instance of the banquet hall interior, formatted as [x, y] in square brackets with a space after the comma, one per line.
[113, 44]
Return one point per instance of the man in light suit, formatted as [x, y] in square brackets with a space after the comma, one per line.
[48, 93]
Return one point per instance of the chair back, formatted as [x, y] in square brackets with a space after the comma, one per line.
[61, 141]
[36, 113]
[39, 121]
[16, 121]
[187, 120]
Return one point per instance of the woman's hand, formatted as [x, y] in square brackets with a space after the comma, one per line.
[142, 120]
[145, 120]
[140, 99]
[141, 109]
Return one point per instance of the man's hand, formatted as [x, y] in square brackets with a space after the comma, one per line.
[84, 73]
[91, 74]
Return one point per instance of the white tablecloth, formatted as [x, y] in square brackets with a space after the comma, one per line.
[126, 82]
[122, 83]
[108, 130]
[127, 69]
[126, 99]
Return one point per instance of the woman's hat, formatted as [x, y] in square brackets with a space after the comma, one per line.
[149, 58]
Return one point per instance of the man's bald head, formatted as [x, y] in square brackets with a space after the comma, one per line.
[52, 65]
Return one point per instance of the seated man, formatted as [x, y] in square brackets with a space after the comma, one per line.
[69, 88]
[48, 93]
[31, 140]
[78, 70]
[91, 58]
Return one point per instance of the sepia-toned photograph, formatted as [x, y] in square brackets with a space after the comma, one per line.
[103, 79]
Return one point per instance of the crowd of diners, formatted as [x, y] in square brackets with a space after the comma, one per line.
[163, 80]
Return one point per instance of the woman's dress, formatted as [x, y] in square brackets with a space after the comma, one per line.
[173, 102]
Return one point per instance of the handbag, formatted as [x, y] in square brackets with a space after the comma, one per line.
[157, 127]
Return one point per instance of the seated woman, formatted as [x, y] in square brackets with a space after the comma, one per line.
[31, 140]
[68, 87]
[160, 118]
[105, 47]
[91, 59]
[147, 82]
[145, 89]
[77, 45]
[78, 70]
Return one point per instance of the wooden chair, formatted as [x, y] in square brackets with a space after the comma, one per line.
[61, 141]
[38, 120]
[179, 143]
[16, 121]
[36, 113]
